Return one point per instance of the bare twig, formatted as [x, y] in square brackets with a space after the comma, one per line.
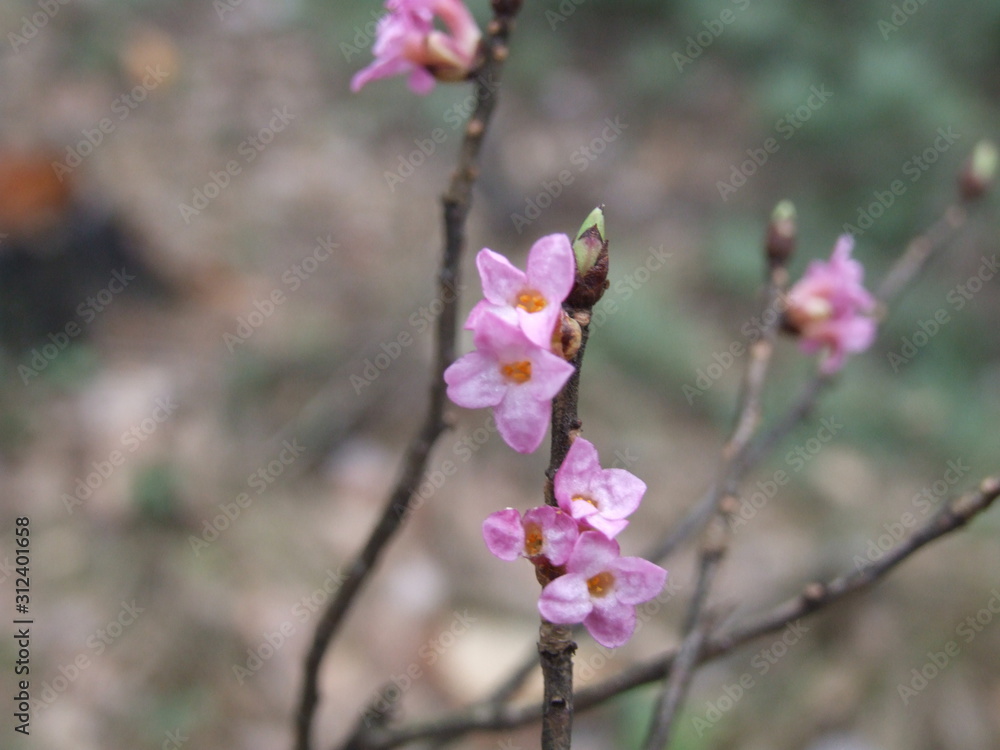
[456, 205]
[716, 539]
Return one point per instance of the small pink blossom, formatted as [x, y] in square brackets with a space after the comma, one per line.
[407, 42]
[599, 498]
[600, 589]
[830, 308]
[543, 532]
[531, 299]
[513, 375]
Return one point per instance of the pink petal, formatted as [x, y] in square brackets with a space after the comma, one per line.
[474, 381]
[611, 626]
[607, 526]
[504, 534]
[559, 532]
[549, 374]
[521, 420]
[579, 509]
[379, 69]
[476, 314]
[421, 82]
[637, 580]
[593, 553]
[502, 282]
[552, 268]
[498, 335]
[618, 493]
[566, 600]
[576, 470]
[539, 326]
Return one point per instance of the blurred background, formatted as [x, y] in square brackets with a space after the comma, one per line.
[217, 292]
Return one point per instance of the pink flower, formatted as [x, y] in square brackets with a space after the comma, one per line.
[543, 532]
[407, 42]
[513, 375]
[531, 299]
[600, 498]
[600, 589]
[830, 308]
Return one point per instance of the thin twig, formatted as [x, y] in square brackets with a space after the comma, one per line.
[555, 642]
[814, 597]
[716, 539]
[456, 204]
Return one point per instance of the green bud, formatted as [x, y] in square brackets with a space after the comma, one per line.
[781, 233]
[590, 240]
[980, 170]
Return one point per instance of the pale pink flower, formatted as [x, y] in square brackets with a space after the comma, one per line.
[533, 298]
[516, 377]
[830, 308]
[600, 589]
[407, 42]
[543, 532]
[599, 498]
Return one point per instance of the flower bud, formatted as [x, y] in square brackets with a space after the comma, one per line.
[979, 171]
[781, 234]
[589, 241]
[591, 251]
[567, 337]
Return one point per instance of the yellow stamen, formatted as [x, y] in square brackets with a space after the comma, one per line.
[600, 584]
[590, 500]
[531, 301]
[519, 372]
[533, 540]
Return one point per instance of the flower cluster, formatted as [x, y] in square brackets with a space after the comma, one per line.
[406, 42]
[514, 368]
[830, 309]
[574, 544]
[518, 367]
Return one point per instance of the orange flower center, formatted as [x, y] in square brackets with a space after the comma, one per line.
[533, 539]
[600, 584]
[519, 372]
[531, 301]
[590, 500]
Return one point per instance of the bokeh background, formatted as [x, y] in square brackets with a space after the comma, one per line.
[201, 450]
